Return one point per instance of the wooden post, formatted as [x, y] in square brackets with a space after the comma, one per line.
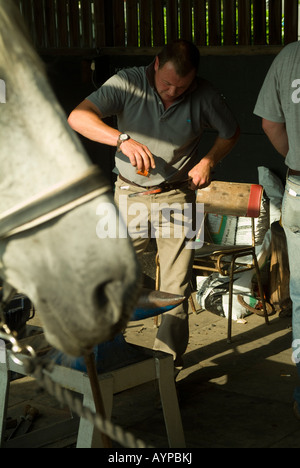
[93, 376]
[279, 272]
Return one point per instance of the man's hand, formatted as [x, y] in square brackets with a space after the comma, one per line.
[139, 155]
[200, 175]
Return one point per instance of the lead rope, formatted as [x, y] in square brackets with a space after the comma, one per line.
[41, 371]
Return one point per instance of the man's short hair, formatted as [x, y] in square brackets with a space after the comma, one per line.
[183, 54]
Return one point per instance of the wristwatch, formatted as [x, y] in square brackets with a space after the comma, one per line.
[122, 137]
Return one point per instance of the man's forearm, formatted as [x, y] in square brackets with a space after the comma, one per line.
[221, 148]
[277, 134]
[87, 121]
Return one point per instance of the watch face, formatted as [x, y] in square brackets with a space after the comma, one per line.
[124, 137]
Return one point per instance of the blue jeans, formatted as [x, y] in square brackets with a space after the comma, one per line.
[291, 224]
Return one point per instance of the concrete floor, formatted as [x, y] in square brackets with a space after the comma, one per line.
[231, 396]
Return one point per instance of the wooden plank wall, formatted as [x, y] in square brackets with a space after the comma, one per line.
[73, 26]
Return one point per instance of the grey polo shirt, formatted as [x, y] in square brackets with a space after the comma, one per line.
[279, 98]
[171, 135]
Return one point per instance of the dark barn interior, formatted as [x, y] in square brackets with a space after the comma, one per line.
[238, 41]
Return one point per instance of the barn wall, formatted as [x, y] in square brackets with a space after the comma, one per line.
[239, 77]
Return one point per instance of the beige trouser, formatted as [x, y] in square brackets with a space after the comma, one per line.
[144, 219]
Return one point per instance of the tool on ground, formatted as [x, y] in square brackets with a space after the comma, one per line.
[11, 423]
[26, 421]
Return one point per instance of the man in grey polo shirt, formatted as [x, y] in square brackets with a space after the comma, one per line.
[162, 111]
[279, 106]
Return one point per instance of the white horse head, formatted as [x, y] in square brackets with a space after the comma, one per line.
[83, 288]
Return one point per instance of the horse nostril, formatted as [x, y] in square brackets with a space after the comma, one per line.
[109, 294]
[101, 298]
